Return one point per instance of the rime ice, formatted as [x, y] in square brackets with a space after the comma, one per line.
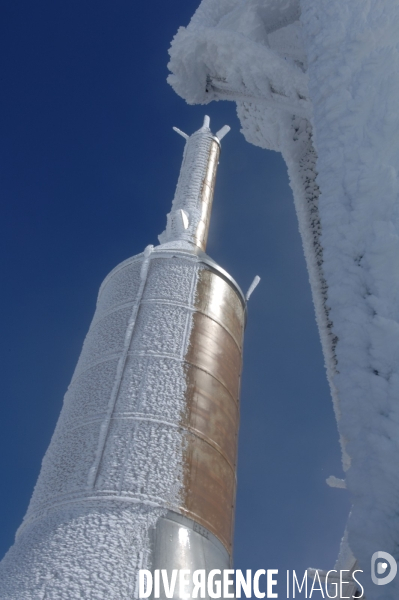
[114, 463]
[146, 442]
[319, 81]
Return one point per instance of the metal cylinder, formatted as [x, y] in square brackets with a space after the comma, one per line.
[213, 370]
[206, 197]
[141, 469]
[192, 204]
[141, 466]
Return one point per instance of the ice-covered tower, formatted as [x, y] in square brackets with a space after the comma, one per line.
[141, 469]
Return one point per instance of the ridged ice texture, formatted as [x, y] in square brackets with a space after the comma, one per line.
[189, 188]
[242, 50]
[114, 464]
[353, 52]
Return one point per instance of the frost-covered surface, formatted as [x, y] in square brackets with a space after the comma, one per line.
[186, 214]
[187, 197]
[354, 84]
[201, 65]
[341, 60]
[115, 462]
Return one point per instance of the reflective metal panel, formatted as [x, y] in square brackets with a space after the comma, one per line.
[212, 413]
[213, 349]
[208, 187]
[219, 300]
[180, 543]
[213, 363]
[210, 485]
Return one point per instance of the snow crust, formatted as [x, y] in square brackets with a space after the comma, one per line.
[183, 219]
[354, 84]
[115, 462]
[319, 81]
[201, 69]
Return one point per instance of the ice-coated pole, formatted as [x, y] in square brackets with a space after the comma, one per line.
[192, 204]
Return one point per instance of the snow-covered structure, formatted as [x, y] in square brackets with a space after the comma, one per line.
[140, 472]
[319, 82]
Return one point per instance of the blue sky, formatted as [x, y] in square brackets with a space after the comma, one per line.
[89, 163]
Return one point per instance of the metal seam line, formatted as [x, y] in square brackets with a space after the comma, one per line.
[91, 480]
[189, 316]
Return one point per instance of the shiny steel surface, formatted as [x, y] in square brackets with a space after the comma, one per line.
[208, 187]
[203, 258]
[214, 351]
[213, 360]
[217, 299]
[180, 543]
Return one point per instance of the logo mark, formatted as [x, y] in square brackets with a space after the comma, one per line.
[381, 567]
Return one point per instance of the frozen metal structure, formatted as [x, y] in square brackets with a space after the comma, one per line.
[141, 469]
[318, 81]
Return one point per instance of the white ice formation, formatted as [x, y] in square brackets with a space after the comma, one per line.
[319, 82]
[116, 460]
[114, 464]
[186, 215]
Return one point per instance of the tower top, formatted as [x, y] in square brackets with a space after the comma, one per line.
[189, 218]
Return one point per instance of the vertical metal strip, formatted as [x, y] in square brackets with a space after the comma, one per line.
[93, 473]
[189, 317]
